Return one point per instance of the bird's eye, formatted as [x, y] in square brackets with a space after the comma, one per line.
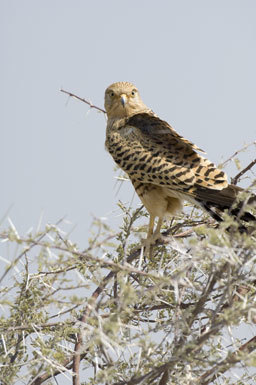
[133, 92]
[112, 93]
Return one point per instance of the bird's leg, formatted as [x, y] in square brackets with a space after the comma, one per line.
[158, 228]
[151, 226]
[147, 243]
[152, 236]
[156, 234]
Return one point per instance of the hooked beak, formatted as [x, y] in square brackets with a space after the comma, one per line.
[123, 100]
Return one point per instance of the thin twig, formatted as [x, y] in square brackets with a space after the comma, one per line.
[236, 153]
[238, 176]
[83, 100]
[33, 327]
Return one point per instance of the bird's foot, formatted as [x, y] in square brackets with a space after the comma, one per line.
[160, 239]
[147, 245]
[154, 240]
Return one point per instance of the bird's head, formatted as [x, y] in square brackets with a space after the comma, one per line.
[122, 99]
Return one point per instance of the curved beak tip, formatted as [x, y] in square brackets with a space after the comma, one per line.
[123, 100]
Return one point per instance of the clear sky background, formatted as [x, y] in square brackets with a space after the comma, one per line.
[193, 61]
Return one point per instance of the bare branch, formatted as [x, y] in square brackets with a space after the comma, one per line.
[83, 100]
[241, 173]
[236, 153]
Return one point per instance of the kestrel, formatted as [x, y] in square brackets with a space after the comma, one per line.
[164, 168]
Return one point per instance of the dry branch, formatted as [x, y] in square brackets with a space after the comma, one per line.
[242, 172]
[82, 100]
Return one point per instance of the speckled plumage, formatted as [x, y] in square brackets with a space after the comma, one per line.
[163, 167]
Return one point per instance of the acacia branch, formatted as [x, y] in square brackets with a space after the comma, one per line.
[236, 153]
[32, 244]
[78, 356]
[37, 327]
[86, 313]
[223, 366]
[193, 348]
[83, 100]
[241, 173]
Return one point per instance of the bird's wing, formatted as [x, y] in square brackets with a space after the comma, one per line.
[149, 123]
[151, 151]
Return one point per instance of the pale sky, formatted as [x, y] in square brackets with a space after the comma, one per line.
[193, 61]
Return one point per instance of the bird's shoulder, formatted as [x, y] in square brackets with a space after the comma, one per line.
[154, 129]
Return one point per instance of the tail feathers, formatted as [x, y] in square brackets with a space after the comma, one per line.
[217, 201]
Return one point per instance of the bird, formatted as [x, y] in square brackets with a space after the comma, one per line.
[165, 168]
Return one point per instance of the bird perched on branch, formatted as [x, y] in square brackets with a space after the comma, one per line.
[164, 168]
